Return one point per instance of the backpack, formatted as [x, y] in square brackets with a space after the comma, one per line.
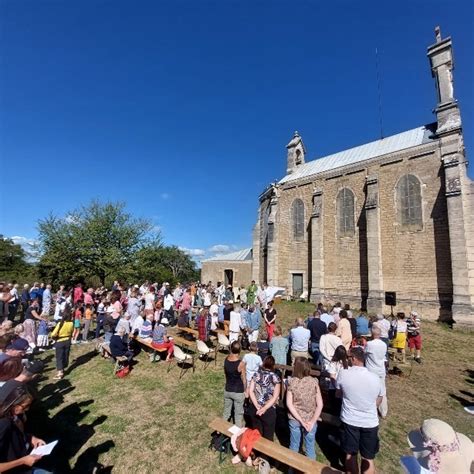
[219, 442]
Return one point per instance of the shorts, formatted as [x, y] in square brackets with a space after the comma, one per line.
[77, 324]
[363, 440]
[414, 342]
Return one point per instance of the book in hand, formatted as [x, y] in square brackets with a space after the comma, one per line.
[45, 449]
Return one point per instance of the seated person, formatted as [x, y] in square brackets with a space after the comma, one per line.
[119, 346]
[15, 444]
[147, 328]
[161, 339]
[183, 319]
[16, 347]
[124, 322]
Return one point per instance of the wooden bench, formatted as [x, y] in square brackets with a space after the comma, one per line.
[277, 452]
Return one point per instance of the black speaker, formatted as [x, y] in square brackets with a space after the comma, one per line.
[391, 298]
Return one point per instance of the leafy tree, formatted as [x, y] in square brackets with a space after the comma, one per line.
[13, 260]
[97, 240]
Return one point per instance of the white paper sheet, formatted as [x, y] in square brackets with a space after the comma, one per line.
[234, 429]
[45, 449]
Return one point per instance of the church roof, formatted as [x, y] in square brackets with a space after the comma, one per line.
[239, 256]
[401, 141]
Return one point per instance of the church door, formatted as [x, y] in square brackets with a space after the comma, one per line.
[297, 284]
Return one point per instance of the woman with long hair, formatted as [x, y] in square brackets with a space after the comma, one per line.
[305, 404]
[14, 448]
[62, 334]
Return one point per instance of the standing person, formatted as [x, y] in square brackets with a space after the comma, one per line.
[328, 344]
[186, 303]
[235, 385]
[305, 404]
[384, 325]
[361, 393]
[375, 357]
[279, 347]
[264, 391]
[150, 300]
[252, 323]
[270, 319]
[88, 312]
[251, 293]
[300, 337]
[203, 324]
[226, 312]
[235, 323]
[78, 295]
[243, 294]
[100, 317]
[317, 329]
[344, 329]
[414, 336]
[62, 334]
[400, 340]
[32, 316]
[252, 363]
[25, 300]
[168, 303]
[47, 300]
[325, 316]
[77, 323]
[13, 302]
[362, 324]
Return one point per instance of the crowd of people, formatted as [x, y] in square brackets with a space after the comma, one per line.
[350, 352]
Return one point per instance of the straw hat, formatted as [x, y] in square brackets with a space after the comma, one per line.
[440, 449]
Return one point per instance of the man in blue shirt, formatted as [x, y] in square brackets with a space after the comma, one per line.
[362, 325]
[252, 323]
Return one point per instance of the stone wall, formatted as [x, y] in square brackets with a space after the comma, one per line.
[214, 271]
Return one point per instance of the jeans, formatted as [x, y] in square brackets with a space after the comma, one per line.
[236, 400]
[85, 331]
[315, 351]
[309, 438]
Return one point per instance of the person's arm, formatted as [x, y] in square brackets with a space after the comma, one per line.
[253, 398]
[274, 318]
[36, 315]
[319, 408]
[292, 408]
[271, 402]
[28, 460]
[243, 374]
[379, 401]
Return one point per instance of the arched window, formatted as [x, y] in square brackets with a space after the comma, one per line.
[345, 207]
[298, 157]
[409, 201]
[297, 215]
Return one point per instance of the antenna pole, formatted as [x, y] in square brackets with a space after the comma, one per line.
[379, 92]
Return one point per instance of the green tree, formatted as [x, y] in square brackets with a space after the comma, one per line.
[95, 241]
[13, 261]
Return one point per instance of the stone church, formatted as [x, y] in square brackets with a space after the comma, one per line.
[393, 215]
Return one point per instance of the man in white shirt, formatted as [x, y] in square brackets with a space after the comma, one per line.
[375, 357]
[328, 343]
[299, 337]
[361, 393]
[325, 317]
[384, 325]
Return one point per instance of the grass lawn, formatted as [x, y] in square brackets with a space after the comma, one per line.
[152, 422]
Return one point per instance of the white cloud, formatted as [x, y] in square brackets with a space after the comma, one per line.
[219, 248]
[165, 196]
[193, 252]
[30, 246]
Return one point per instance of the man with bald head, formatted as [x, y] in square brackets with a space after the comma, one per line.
[375, 358]
[299, 337]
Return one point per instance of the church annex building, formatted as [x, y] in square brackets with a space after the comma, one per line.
[396, 215]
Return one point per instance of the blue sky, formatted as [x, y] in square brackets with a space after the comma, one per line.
[182, 109]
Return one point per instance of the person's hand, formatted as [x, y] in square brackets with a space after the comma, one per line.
[261, 411]
[35, 442]
[30, 459]
[308, 426]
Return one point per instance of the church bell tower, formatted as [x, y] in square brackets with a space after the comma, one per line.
[296, 153]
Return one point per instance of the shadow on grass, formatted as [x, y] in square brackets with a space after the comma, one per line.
[66, 427]
[465, 398]
[83, 359]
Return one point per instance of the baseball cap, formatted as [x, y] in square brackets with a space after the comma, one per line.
[34, 367]
[18, 344]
